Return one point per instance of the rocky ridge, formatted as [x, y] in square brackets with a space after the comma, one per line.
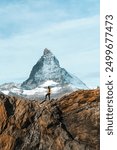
[69, 123]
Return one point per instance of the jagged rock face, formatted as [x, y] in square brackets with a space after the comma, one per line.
[69, 123]
[48, 68]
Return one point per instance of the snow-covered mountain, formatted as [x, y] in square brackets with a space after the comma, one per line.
[48, 68]
[46, 72]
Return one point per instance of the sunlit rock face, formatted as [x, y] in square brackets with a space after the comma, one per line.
[69, 123]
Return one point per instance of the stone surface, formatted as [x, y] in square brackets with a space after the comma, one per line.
[69, 123]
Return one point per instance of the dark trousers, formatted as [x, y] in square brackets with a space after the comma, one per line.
[47, 95]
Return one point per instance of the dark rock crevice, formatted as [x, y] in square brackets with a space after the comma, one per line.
[18, 143]
[9, 107]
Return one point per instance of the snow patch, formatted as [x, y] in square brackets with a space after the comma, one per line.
[34, 91]
[5, 92]
[49, 83]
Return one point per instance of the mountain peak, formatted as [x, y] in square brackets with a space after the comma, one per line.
[47, 52]
[48, 69]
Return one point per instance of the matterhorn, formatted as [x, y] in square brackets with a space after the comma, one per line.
[47, 72]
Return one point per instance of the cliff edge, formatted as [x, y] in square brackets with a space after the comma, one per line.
[69, 123]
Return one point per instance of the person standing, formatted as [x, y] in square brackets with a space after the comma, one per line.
[48, 93]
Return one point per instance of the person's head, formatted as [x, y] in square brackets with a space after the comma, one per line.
[48, 87]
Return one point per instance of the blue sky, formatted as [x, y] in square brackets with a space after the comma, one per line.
[69, 28]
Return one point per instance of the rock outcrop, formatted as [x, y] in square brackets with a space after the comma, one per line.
[69, 123]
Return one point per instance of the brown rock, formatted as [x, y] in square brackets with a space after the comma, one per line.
[69, 123]
[6, 142]
[3, 117]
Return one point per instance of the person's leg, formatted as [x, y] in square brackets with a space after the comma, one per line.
[46, 96]
[49, 96]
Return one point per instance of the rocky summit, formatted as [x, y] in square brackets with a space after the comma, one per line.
[69, 123]
[48, 69]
